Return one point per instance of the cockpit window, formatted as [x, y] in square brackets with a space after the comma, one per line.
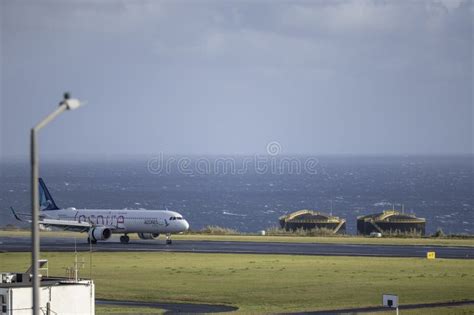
[176, 218]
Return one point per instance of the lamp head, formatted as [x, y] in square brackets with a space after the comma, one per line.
[71, 103]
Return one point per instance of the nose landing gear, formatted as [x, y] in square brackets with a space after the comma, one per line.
[124, 239]
[168, 239]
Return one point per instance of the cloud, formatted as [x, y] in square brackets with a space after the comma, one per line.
[451, 4]
[86, 16]
[348, 16]
[271, 56]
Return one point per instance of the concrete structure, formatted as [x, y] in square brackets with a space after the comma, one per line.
[57, 295]
[390, 222]
[309, 220]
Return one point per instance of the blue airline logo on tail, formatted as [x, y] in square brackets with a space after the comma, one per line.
[45, 199]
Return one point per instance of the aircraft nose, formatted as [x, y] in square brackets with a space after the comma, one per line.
[186, 225]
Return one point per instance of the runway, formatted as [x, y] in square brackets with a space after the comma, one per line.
[66, 244]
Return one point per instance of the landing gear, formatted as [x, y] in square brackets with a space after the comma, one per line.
[168, 239]
[124, 239]
[91, 241]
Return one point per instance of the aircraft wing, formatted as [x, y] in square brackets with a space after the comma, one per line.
[74, 226]
[64, 224]
[67, 225]
[19, 216]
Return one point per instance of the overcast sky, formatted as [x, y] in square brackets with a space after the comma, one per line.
[212, 77]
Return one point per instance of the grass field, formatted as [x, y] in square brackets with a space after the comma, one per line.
[289, 238]
[265, 283]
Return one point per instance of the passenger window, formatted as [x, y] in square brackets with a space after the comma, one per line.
[3, 303]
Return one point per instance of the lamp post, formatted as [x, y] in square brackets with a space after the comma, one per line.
[66, 104]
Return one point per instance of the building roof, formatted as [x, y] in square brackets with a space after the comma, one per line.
[391, 216]
[47, 281]
[309, 216]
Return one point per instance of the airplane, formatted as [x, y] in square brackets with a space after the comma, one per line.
[101, 224]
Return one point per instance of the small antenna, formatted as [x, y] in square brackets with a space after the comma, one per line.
[76, 263]
[75, 251]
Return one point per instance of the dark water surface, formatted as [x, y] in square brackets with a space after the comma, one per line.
[250, 193]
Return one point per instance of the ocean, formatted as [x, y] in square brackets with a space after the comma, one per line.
[249, 193]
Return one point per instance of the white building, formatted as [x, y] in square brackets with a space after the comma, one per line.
[57, 295]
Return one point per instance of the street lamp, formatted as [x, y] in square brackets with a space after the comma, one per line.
[66, 104]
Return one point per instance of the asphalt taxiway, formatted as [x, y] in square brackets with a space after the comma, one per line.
[171, 308]
[67, 244]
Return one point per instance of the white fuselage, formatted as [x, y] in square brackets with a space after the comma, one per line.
[125, 221]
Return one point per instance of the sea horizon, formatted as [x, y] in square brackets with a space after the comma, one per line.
[222, 192]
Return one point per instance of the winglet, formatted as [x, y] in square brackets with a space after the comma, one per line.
[15, 215]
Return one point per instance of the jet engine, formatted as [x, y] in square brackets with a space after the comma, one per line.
[148, 236]
[100, 233]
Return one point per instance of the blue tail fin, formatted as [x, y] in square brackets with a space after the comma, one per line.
[45, 199]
